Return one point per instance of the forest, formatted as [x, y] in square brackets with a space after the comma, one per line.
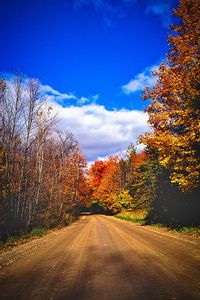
[44, 178]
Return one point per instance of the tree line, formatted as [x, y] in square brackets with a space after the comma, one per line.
[165, 177]
[42, 169]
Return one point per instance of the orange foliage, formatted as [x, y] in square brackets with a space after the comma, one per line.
[106, 182]
[174, 111]
[96, 173]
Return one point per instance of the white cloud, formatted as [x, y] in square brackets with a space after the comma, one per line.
[56, 95]
[140, 81]
[102, 132]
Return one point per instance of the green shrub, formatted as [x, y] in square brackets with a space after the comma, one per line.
[38, 231]
[188, 230]
[11, 240]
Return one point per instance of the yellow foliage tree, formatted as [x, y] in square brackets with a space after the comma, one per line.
[175, 107]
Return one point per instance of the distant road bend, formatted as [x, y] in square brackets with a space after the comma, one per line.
[102, 258]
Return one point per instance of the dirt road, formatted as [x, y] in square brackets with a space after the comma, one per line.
[102, 258]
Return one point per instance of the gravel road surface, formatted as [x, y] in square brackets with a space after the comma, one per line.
[102, 258]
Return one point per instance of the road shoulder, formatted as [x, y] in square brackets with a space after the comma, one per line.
[166, 232]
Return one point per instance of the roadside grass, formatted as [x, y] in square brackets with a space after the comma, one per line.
[136, 216]
[36, 232]
[187, 230]
[22, 238]
[194, 231]
[139, 216]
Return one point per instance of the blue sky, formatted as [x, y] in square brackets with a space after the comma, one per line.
[89, 55]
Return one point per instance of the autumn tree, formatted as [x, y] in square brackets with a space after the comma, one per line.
[115, 182]
[96, 174]
[175, 107]
[42, 169]
[19, 108]
[105, 183]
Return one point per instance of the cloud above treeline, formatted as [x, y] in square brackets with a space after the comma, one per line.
[101, 132]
